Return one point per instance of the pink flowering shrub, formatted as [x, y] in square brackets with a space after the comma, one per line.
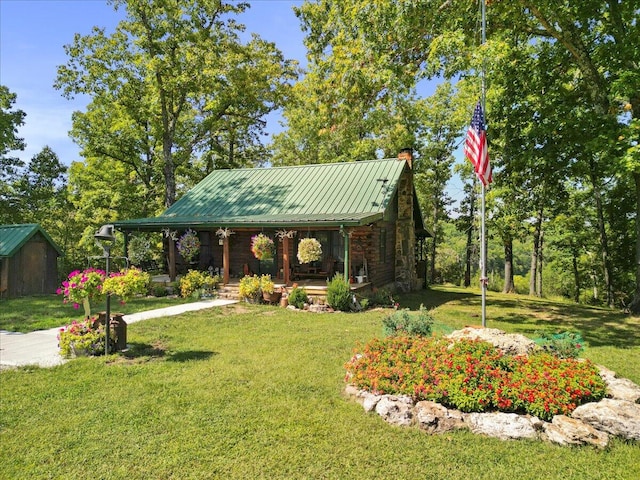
[82, 287]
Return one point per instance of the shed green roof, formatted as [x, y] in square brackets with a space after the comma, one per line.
[13, 237]
[334, 194]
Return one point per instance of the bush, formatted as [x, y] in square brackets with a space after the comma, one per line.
[562, 345]
[249, 288]
[338, 293]
[475, 376]
[380, 297]
[127, 283]
[159, 291]
[298, 297]
[195, 283]
[401, 322]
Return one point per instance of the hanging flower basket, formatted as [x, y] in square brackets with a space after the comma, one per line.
[309, 250]
[189, 245]
[262, 247]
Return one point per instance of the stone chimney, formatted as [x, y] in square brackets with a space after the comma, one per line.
[406, 154]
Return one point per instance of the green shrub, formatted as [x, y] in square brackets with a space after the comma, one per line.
[401, 322]
[339, 293]
[159, 291]
[380, 297]
[249, 288]
[562, 345]
[196, 283]
[298, 297]
[475, 376]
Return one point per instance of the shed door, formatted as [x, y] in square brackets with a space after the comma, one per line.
[34, 267]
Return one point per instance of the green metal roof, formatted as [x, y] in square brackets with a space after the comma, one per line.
[13, 237]
[333, 194]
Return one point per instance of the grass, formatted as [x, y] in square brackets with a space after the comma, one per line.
[48, 311]
[256, 392]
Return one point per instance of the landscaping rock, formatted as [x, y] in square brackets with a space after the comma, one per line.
[508, 343]
[620, 388]
[564, 430]
[504, 426]
[435, 418]
[616, 417]
[397, 410]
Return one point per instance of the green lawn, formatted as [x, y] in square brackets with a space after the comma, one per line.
[48, 311]
[248, 392]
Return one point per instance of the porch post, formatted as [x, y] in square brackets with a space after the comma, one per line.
[172, 259]
[225, 260]
[347, 257]
[285, 259]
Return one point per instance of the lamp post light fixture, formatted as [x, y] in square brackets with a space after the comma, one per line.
[105, 238]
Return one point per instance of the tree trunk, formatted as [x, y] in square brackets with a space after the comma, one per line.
[534, 253]
[576, 277]
[434, 244]
[509, 287]
[540, 264]
[604, 245]
[635, 303]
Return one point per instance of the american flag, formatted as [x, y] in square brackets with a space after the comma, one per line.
[475, 147]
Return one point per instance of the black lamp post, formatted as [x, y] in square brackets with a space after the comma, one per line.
[105, 238]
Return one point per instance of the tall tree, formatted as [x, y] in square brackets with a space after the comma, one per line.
[172, 77]
[10, 121]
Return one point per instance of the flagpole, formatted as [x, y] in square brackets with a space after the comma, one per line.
[483, 244]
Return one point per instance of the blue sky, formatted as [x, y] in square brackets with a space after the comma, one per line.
[34, 32]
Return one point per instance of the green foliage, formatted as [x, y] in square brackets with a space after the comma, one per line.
[562, 345]
[475, 376]
[380, 297]
[339, 294]
[196, 283]
[127, 283]
[249, 288]
[402, 322]
[298, 297]
[266, 284]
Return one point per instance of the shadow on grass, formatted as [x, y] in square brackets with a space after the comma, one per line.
[190, 355]
[145, 351]
[598, 326]
[432, 298]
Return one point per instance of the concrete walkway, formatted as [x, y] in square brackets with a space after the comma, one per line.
[41, 347]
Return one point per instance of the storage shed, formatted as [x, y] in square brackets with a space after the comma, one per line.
[28, 261]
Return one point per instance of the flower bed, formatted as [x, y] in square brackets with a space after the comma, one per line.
[474, 376]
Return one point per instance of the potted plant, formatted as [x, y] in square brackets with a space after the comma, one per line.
[84, 338]
[249, 288]
[269, 293]
[126, 283]
[262, 247]
[189, 245]
[309, 250]
[81, 287]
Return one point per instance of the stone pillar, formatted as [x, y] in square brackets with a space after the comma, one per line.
[172, 259]
[406, 278]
